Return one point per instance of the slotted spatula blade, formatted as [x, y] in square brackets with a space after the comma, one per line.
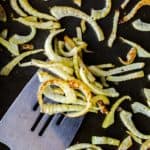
[24, 128]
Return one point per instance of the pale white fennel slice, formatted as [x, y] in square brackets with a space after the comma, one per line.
[113, 34]
[63, 11]
[21, 39]
[102, 13]
[140, 25]
[32, 11]
[17, 9]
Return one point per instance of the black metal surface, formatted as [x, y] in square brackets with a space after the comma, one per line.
[12, 85]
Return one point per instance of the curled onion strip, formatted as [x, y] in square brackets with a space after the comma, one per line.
[99, 14]
[126, 118]
[17, 9]
[140, 50]
[20, 39]
[61, 11]
[140, 25]
[132, 13]
[29, 9]
[110, 118]
[9, 67]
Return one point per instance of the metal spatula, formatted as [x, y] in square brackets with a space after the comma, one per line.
[24, 128]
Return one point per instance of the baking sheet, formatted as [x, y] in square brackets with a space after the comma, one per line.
[11, 86]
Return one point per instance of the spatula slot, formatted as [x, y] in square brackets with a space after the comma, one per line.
[60, 119]
[35, 107]
[45, 126]
[37, 121]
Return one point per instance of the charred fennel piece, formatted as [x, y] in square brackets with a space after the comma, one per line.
[75, 84]
[130, 57]
[135, 9]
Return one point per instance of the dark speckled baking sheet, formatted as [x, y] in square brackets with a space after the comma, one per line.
[11, 86]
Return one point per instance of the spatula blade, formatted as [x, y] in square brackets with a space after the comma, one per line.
[15, 126]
